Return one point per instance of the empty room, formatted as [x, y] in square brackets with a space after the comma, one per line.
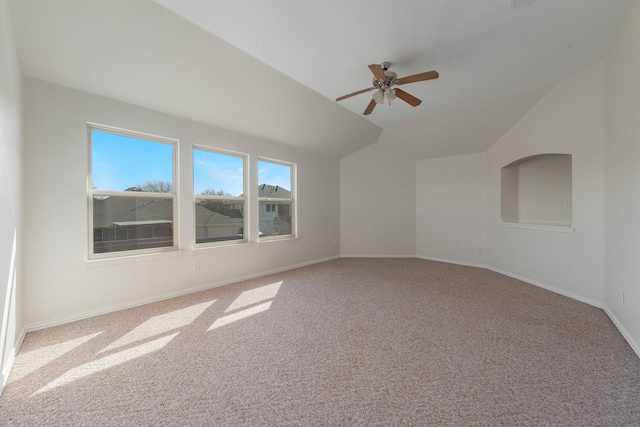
[338, 213]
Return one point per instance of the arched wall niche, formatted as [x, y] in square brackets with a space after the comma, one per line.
[537, 190]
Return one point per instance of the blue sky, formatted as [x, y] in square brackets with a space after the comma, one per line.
[217, 171]
[274, 174]
[120, 162]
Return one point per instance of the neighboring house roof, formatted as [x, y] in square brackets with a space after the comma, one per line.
[143, 211]
[146, 210]
[130, 209]
[273, 191]
[205, 217]
[233, 213]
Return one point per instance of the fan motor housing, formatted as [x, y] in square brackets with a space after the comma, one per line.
[388, 82]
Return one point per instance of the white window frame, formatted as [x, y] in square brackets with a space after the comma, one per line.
[245, 199]
[91, 192]
[292, 200]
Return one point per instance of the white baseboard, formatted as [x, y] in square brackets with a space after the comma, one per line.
[87, 314]
[375, 256]
[627, 336]
[521, 278]
[80, 316]
[4, 375]
[571, 295]
[466, 264]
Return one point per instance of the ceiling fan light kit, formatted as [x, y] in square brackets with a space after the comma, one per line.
[383, 92]
[379, 96]
[384, 80]
[390, 94]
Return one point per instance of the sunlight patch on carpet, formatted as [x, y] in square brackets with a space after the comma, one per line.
[161, 324]
[254, 296]
[243, 314]
[107, 362]
[42, 356]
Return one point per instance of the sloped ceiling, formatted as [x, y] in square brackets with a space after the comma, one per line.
[273, 68]
[463, 131]
[140, 52]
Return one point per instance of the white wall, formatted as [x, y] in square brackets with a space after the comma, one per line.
[11, 323]
[538, 190]
[62, 285]
[622, 184]
[569, 119]
[451, 209]
[595, 117]
[377, 203]
[454, 194]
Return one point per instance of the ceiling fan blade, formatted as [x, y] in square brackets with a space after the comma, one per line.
[429, 75]
[378, 71]
[409, 99]
[370, 107]
[355, 93]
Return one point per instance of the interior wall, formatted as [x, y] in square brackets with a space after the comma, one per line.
[510, 194]
[622, 184]
[544, 190]
[451, 209]
[377, 203]
[569, 119]
[11, 322]
[62, 285]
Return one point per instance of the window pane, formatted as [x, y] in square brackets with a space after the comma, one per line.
[120, 163]
[217, 174]
[130, 223]
[275, 219]
[275, 180]
[219, 220]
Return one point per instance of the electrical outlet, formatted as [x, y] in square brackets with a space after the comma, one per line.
[195, 265]
[623, 296]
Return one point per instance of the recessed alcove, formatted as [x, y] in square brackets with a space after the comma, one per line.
[537, 191]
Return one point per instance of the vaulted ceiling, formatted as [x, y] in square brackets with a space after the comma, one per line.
[274, 68]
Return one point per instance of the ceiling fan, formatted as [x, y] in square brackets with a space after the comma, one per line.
[384, 80]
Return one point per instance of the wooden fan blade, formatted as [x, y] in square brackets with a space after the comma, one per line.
[378, 72]
[369, 108]
[429, 75]
[355, 93]
[409, 99]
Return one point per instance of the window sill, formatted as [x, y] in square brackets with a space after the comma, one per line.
[222, 247]
[272, 240]
[539, 227]
[127, 259]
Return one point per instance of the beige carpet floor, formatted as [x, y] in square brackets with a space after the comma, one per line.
[350, 342]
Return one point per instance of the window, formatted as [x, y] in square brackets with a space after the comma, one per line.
[131, 198]
[537, 190]
[219, 196]
[276, 199]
